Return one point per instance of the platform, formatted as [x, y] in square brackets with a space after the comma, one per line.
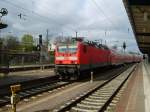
[137, 94]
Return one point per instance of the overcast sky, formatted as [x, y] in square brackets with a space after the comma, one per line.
[93, 19]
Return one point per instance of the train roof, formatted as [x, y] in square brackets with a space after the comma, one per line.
[74, 41]
[96, 44]
[121, 52]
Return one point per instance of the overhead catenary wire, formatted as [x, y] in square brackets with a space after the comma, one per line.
[102, 12]
[110, 8]
[45, 7]
[17, 6]
[41, 17]
[46, 19]
[35, 13]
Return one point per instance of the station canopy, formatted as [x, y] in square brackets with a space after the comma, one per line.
[139, 15]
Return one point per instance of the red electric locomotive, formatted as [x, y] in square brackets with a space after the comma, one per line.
[73, 57]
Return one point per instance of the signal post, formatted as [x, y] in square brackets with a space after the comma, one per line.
[14, 97]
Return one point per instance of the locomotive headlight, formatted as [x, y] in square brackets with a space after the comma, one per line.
[60, 58]
[73, 58]
[75, 62]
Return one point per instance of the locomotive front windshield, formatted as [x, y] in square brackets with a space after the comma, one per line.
[68, 48]
[62, 49]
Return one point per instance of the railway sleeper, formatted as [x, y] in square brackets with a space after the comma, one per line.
[29, 92]
[106, 90]
[110, 109]
[98, 101]
[2, 100]
[23, 94]
[114, 101]
[110, 87]
[92, 103]
[7, 97]
[36, 90]
[76, 109]
[101, 94]
[98, 97]
[88, 107]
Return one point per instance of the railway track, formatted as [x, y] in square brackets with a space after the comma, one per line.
[28, 91]
[99, 98]
[32, 88]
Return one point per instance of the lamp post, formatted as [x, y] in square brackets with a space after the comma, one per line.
[4, 56]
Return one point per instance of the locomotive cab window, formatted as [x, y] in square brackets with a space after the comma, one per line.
[62, 48]
[72, 49]
[69, 48]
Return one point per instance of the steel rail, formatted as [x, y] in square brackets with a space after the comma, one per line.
[68, 106]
